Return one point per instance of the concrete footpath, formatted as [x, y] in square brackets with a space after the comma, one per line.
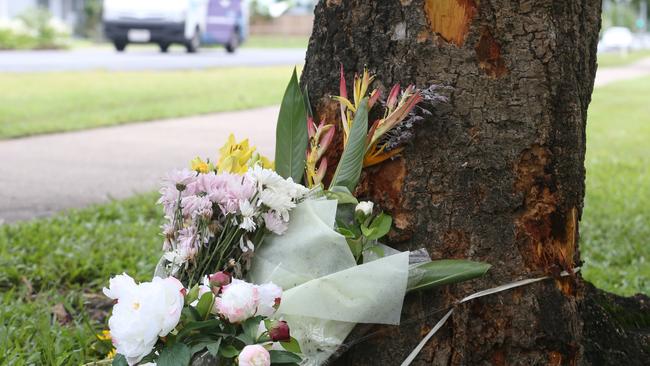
[45, 174]
[609, 75]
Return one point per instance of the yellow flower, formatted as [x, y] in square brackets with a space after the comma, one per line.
[111, 354]
[105, 335]
[200, 166]
[237, 157]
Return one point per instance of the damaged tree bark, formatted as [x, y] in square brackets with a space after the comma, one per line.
[496, 175]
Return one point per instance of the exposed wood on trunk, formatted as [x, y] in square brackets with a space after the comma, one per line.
[495, 175]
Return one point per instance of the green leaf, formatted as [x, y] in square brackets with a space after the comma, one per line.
[205, 304]
[284, 357]
[291, 346]
[356, 246]
[251, 326]
[119, 360]
[192, 326]
[176, 355]
[366, 231]
[349, 169]
[192, 295]
[346, 232]
[228, 351]
[380, 226]
[342, 195]
[210, 343]
[213, 348]
[443, 272]
[291, 133]
[305, 98]
[379, 251]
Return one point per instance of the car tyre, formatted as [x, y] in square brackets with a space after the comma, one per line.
[193, 44]
[233, 42]
[164, 47]
[120, 46]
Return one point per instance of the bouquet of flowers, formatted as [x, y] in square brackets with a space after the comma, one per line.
[254, 248]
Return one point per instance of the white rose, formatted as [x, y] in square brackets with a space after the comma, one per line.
[254, 355]
[365, 207]
[143, 313]
[269, 294]
[120, 285]
[238, 301]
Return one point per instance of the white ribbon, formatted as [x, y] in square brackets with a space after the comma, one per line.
[473, 296]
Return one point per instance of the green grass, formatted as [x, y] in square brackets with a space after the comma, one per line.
[616, 221]
[618, 59]
[272, 41]
[51, 102]
[60, 261]
[68, 258]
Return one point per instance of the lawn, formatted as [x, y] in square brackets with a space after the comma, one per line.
[616, 221]
[68, 258]
[51, 102]
[612, 59]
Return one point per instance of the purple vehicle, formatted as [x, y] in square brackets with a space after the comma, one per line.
[187, 22]
[226, 23]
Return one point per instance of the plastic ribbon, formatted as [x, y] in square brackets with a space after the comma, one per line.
[473, 296]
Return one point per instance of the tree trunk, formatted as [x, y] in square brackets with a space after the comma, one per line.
[496, 174]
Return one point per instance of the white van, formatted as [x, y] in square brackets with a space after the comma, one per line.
[174, 21]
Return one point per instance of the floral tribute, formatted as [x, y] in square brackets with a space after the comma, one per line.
[264, 263]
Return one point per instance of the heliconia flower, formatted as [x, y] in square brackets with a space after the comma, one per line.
[269, 299]
[391, 102]
[364, 207]
[279, 331]
[254, 355]
[311, 127]
[238, 301]
[143, 313]
[320, 173]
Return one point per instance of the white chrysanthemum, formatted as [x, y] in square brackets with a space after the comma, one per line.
[248, 212]
[143, 313]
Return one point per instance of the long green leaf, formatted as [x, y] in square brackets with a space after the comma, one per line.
[443, 272]
[291, 133]
[349, 169]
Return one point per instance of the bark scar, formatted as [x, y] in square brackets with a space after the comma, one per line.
[488, 52]
[545, 229]
[450, 18]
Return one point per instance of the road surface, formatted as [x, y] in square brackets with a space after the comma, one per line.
[143, 59]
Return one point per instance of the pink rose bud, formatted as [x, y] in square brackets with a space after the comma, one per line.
[219, 279]
[279, 331]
